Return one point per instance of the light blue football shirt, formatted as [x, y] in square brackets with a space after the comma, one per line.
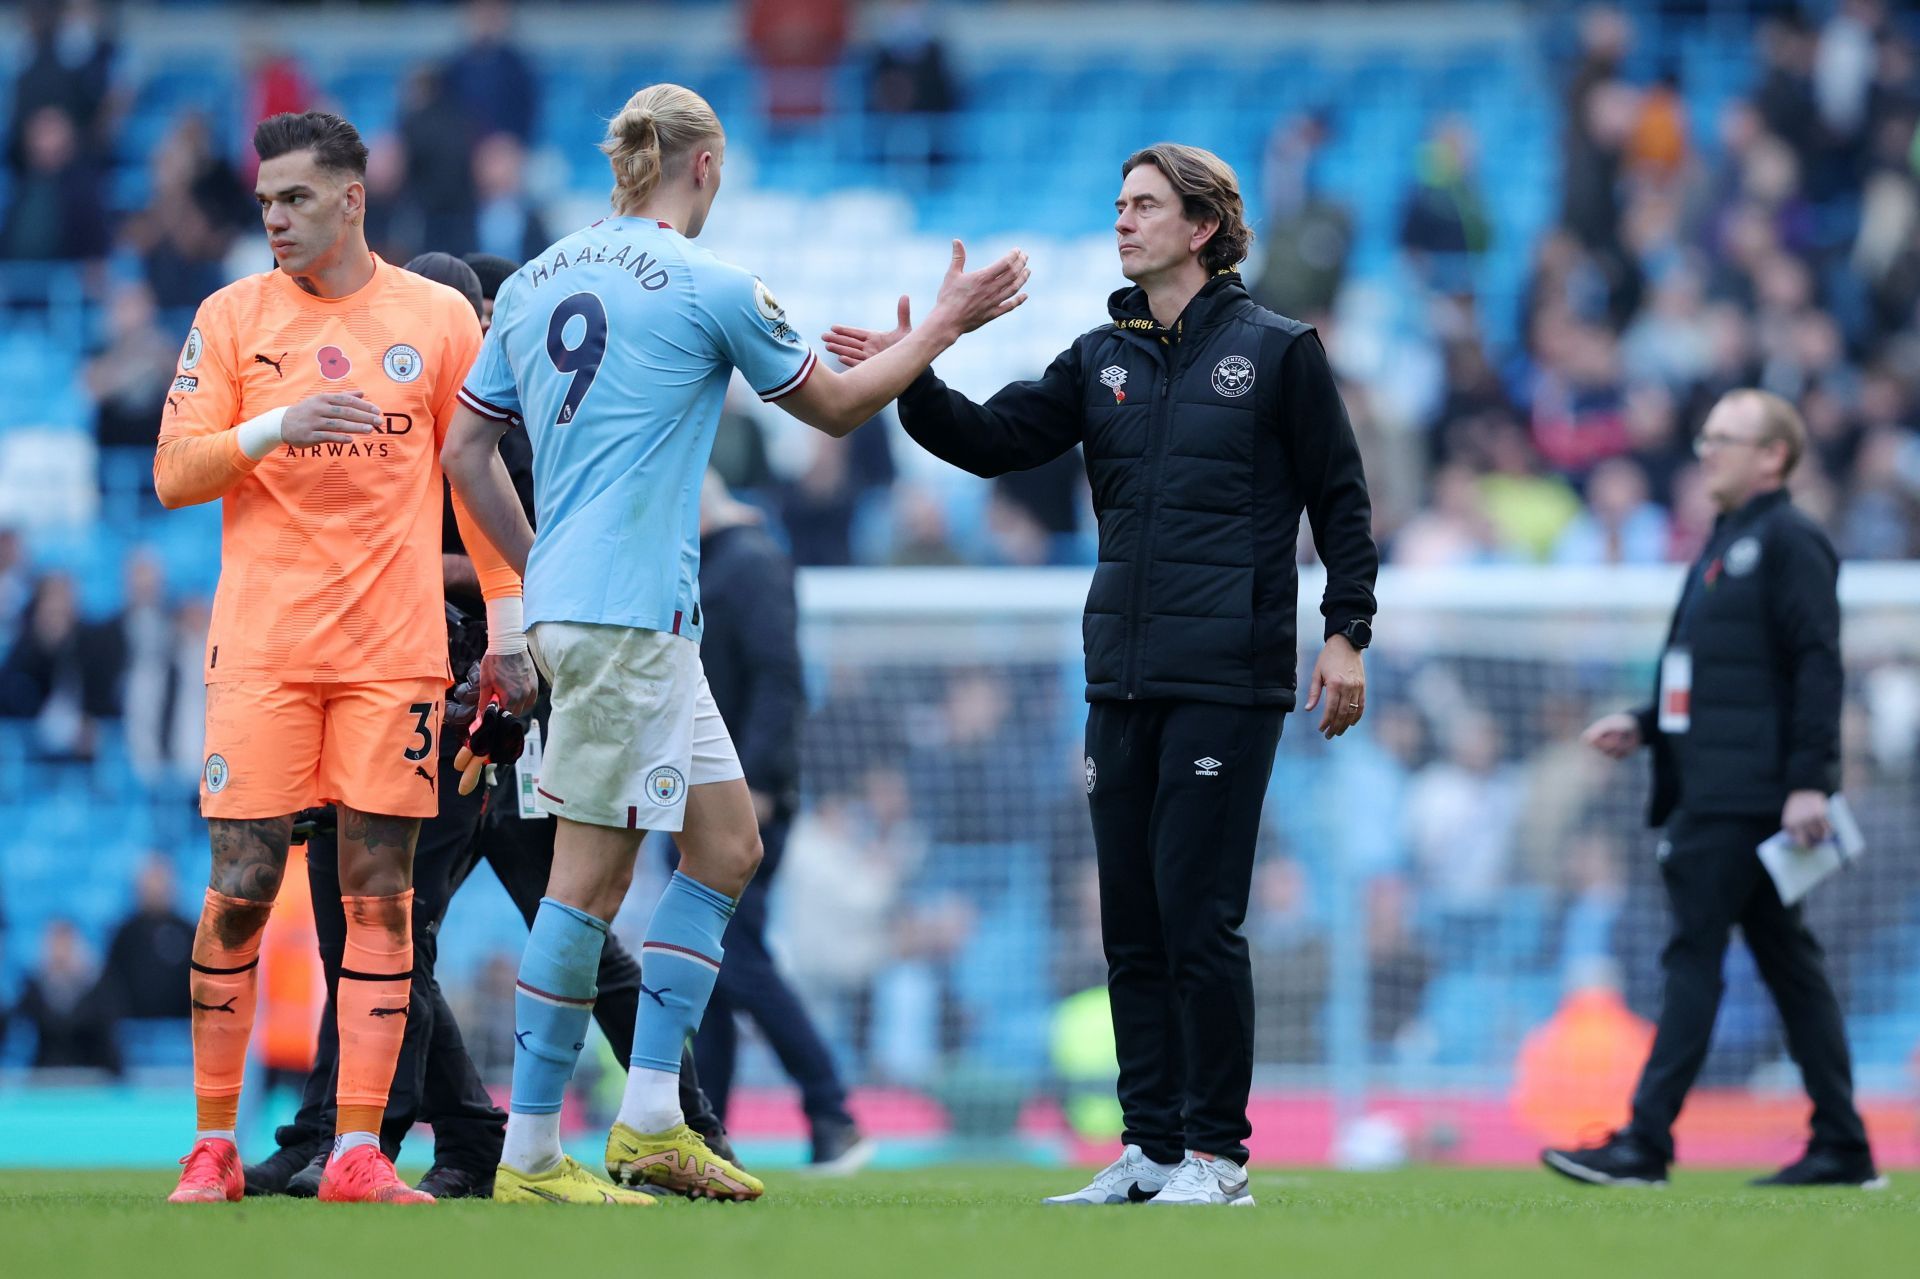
[614, 348]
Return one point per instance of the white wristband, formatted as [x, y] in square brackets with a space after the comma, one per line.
[261, 435]
[506, 622]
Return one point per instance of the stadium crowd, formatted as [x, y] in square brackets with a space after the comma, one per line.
[1775, 245]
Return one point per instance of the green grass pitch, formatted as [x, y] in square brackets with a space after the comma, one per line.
[973, 1220]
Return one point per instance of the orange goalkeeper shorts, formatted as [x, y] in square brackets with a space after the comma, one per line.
[274, 749]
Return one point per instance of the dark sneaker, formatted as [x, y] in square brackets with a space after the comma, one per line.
[1828, 1168]
[270, 1175]
[1621, 1160]
[443, 1181]
[305, 1184]
[840, 1150]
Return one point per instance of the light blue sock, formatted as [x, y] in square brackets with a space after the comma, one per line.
[552, 1003]
[678, 964]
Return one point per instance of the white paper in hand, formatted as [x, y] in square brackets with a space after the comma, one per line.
[1796, 870]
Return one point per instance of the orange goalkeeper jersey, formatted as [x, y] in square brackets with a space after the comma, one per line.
[330, 564]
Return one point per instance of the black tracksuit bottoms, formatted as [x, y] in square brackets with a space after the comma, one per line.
[1715, 880]
[435, 1079]
[1175, 790]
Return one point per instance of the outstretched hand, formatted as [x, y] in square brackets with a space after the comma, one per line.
[853, 346]
[967, 300]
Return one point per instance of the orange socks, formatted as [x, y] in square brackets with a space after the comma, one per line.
[376, 982]
[224, 980]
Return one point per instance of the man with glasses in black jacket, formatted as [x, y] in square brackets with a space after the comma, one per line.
[1745, 731]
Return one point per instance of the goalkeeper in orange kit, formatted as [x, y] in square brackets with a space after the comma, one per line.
[312, 401]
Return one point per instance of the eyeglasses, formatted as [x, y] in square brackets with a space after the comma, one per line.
[1705, 444]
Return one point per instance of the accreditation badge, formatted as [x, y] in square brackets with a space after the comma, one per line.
[526, 775]
[1676, 691]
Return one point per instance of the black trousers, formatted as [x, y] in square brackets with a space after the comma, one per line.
[435, 1079]
[1175, 790]
[1714, 881]
[751, 983]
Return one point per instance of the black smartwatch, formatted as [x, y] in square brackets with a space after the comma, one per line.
[1359, 633]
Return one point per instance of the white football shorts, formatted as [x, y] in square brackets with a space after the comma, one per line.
[633, 725]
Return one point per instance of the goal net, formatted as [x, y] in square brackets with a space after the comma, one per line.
[1456, 916]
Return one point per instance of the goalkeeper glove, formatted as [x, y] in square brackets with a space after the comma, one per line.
[495, 738]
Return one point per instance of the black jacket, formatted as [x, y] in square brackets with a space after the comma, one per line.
[1760, 615]
[1203, 443]
[751, 651]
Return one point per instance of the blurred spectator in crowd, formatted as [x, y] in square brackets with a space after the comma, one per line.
[1052, 494]
[796, 44]
[1594, 895]
[910, 74]
[1015, 536]
[196, 207]
[1561, 781]
[56, 211]
[56, 674]
[491, 80]
[67, 1007]
[275, 82]
[1785, 97]
[1579, 397]
[1599, 117]
[506, 221]
[69, 67]
[147, 959]
[909, 79]
[1454, 529]
[1881, 520]
[1444, 213]
[486, 1016]
[1398, 965]
[438, 140]
[1527, 507]
[844, 920]
[142, 626]
[1656, 147]
[739, 444]
[1460, 817]
[16, 585]
[1620, 523]
[973, 743]
[129, 379]
[1290, 964]
[165, 700]
[818, 506]
[921, 538]
[1308, 238]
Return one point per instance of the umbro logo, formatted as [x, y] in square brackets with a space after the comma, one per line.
[1206, 766]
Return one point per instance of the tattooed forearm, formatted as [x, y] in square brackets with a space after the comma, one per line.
[376, 852]
[249, 856]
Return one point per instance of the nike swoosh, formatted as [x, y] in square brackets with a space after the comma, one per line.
[1237, 1189]
[547, 1195]
[1137, 1194]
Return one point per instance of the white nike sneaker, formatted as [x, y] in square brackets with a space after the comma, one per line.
[1131, 1179]
[1207, 1181]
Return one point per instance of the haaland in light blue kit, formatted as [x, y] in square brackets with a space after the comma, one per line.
[613, 349]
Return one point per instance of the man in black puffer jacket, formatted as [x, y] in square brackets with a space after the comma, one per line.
[1745, 731]
[1208, 425]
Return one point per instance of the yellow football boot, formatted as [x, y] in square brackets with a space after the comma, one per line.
[564, 1183]
[676, 1160]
